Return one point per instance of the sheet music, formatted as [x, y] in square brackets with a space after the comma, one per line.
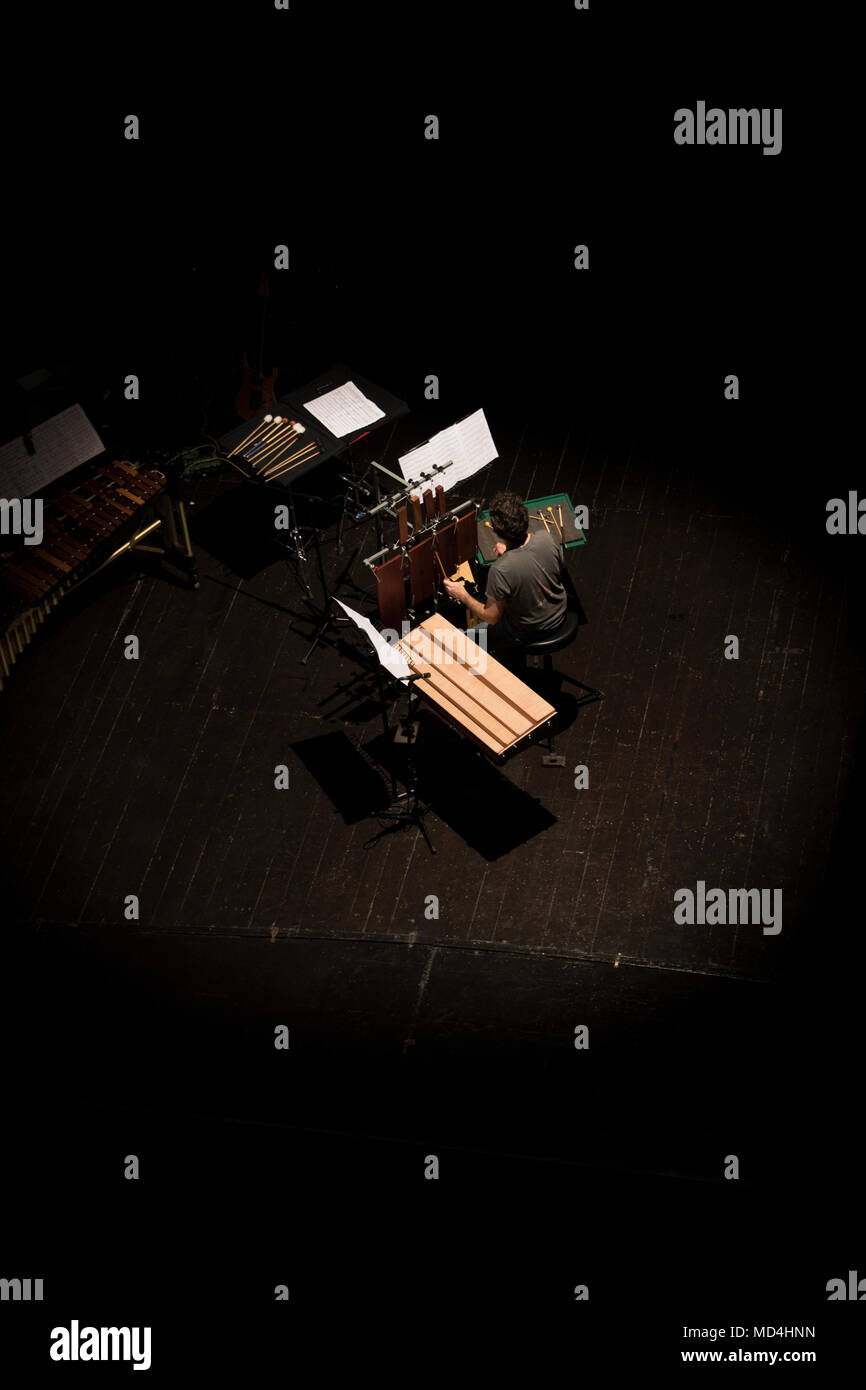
[389, 656]
[464, 447]
[344, 409]
[61, 444]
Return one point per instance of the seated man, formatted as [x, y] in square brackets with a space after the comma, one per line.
[525, 593]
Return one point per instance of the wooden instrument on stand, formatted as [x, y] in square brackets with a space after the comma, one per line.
[473, 692]
[111, 509]
[432, 552]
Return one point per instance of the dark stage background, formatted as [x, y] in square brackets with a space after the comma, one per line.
[453, 257]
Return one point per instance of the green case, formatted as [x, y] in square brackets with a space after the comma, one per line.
[573, 534]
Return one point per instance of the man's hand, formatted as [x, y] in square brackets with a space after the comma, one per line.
[455, 588]
[499, 548]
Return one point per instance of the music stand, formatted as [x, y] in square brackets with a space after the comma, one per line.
[455, 453]
[303, 403]
[406, 807]
[296, 548]
[245, 444]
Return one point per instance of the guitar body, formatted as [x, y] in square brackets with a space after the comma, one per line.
[255, 391]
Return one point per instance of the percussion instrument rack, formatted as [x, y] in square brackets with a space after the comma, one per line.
[388, 506]
[108, 509]
[433, 542]
[431, 528]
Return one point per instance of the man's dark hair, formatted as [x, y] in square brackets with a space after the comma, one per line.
[508, 518]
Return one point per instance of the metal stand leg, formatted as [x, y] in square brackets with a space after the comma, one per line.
[186, 548]
[328, 618]
[551, 757]
[406, 809]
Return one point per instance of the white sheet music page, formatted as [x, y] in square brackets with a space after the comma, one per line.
[464, 447]
[391, 657]
[344, 409]
[417, 465]
[476, 442]
[61, 444]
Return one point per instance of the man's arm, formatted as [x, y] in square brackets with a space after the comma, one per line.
[489, 612]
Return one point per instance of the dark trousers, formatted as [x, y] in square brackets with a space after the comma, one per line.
[503, 637]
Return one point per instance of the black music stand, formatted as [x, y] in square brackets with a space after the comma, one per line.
[406, 807]
[296, 547]
[392, 408]
[358, 490]
[328, 446]
[297, 544]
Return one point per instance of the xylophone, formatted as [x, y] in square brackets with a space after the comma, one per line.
[471, 691]
[82, 525]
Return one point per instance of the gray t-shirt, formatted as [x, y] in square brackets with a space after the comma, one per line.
[529, 580]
